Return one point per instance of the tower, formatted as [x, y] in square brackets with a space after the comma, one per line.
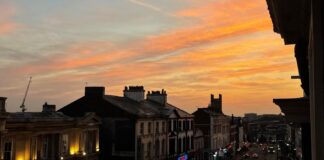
[216, 103]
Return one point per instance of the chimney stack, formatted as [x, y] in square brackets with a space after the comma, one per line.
[135, 93]
[3, 104]
[49, 107]
[94, 92]
[158, 97]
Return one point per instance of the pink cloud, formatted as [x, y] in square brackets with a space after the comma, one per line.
[7, 25]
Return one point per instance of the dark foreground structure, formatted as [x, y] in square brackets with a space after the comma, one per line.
[300, 22]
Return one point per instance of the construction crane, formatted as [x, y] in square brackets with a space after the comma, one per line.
[23, 107]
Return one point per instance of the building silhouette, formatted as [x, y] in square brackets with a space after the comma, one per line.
[135, 127]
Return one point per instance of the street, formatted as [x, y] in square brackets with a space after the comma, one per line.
[254, 148]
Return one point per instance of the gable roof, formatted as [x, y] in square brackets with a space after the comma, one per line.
[181, 113]
[209, 112]
[102, 106]
[38, 117]
[47, 121]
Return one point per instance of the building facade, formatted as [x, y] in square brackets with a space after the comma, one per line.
[199, 145]
[214, 125]
[48, 135]
[236, 134]
[135, 127]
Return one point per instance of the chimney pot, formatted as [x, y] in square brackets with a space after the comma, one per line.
[135, 93]
[158, 97]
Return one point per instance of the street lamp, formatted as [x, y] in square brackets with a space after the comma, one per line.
[215, 155]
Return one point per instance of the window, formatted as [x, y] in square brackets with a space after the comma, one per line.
[142, 128]
[45, 147]
[174, 125]
[83, 140]
[163, 147]
[157, 126]
[189, 125]
[149, 127]
[219, 128]
[157, 148]
[149, 149]
[33, 147]
[90, 143]
[179, 145]
[65, 143]
[172, 143]
[184, 125]
[163, 127]
[185, 144]
[192, 143]
[140, 153]
[180, 127]
[8, 150]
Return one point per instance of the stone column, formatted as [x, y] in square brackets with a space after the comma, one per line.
[306, 141]
[316, 61]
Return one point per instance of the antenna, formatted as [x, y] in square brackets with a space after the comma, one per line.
[23, 108]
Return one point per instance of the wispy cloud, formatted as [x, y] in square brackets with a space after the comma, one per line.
[146, 5]
[150, 7]
[228, 47]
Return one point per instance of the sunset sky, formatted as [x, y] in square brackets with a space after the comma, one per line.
[191, 48]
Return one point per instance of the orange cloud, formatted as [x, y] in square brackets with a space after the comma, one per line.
[228, 48]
